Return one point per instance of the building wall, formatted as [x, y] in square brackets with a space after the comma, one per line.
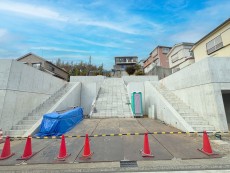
[22, 89]
[200, 50]
[163, 58]
[30, 59]
[200, 85]
[151, 58]
[181, 53]
[56, 70]
[158, 57]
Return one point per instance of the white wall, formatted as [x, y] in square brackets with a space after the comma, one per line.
[70, 99]
[90, 88]
[22, 89]
[88, 95]
[199, 86]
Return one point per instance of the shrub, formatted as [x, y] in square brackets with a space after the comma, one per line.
[130, 70]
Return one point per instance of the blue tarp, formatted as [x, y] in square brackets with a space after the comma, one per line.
[56, 124]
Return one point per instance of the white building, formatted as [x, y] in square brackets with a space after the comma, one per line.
[180, 56]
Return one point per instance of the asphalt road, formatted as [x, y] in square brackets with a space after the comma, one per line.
[164, 147]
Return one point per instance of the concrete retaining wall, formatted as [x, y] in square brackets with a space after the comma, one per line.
[128, 79]
[89, 79]
[199, 86]
[163, 110]
[88, 95]
[22, 88]
[70, 99]
[90, 88]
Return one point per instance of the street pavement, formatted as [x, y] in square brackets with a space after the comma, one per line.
[171, 151]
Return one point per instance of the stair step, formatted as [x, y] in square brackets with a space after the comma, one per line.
[181, 110]
[32, 118]
[180, 107]
[189, 114]
[27, 122]
[14, 133]
[201, 128]
[21, 127]
[195, 122]
[190, 118]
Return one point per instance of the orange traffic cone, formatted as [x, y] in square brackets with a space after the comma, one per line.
[207, 149]
[27, 150]
[146, 150]
[62, 152]
[6, 153]
[87, 153]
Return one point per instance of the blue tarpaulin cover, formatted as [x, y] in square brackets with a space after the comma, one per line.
[56, 124]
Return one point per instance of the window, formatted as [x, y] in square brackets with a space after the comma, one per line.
[51, 68]
[214, 45]
[165, 50]
[36, 65]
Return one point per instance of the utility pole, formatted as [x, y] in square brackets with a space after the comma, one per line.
[90, 60]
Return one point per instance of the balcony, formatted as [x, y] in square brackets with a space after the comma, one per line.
[129, 61]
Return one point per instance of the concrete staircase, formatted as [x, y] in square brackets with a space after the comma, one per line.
[197, 122]
[27, 122]
[113, 100]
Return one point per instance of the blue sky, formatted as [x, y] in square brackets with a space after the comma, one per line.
[73, 30]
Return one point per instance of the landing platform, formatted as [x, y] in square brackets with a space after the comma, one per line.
[113, 148]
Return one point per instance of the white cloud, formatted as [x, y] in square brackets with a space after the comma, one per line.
[31, 10]
[109, 25]
[3, 32]
[122, 23]
[201, 22]
[113, 45]
[60, 49]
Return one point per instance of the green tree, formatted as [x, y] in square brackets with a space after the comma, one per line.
[130, 70]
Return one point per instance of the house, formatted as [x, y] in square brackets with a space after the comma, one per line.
[141, 63]
[214, 44]
[121, 62]
[157, 58]
[180, 56]
[44, 65]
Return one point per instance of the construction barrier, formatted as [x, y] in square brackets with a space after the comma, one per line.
[87, 154]
[119, 134]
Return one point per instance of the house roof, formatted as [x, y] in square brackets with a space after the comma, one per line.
[125, 57]
[28, 54]
[210, 33]
[179, 44]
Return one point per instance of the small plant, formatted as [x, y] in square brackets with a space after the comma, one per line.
[139, 73]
